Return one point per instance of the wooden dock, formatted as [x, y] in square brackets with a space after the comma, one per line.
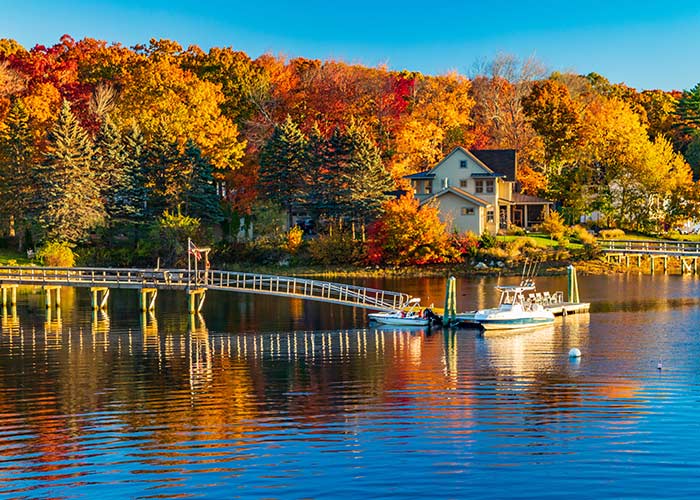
[194, 283]
[654, 254]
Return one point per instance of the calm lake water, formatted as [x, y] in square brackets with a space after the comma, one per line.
[274, 398]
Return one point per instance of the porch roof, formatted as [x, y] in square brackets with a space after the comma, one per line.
[526, 199]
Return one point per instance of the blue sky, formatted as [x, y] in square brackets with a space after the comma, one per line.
[646, 44]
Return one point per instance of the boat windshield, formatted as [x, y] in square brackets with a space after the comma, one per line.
[511, 296]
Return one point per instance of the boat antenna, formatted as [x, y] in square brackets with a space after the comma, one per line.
[533, 272]
[522, 276]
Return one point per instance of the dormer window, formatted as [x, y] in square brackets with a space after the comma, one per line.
[489, 185]
[428, 187]
[462, 163]
[479, 186]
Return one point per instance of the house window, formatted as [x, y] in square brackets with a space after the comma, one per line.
[478, 186]
[489, 185]
[463, 183]
[462, 163]
[428, 187]
[467, 210]
[489, 216]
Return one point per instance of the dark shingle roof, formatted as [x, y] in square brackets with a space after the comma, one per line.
[502, 161]
[420, 175]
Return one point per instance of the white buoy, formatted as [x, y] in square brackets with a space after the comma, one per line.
[659, 366]
[574, 353]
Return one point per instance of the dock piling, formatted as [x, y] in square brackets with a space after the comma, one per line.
[96, 301]
[195, 299]
[450, 312]
[47, 296]
[147, 299]
[572, 281]
[13, 295]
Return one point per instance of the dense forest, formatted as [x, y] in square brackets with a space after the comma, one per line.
[125, 151]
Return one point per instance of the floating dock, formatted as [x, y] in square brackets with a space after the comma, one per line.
[552, 302]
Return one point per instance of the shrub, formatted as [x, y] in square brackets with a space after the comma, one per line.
[487, 240]
[56, 254]
[294, 239]
[168, 238]
[337, 247]
[554, 226]
[611, 234]
[514, 230]
[493, 253]
[466, 243]
[581, 234]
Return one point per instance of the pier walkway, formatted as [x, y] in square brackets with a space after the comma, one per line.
[149, 281]
[686, 253]
[651, 247]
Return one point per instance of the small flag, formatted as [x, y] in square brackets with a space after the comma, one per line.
[192, 248]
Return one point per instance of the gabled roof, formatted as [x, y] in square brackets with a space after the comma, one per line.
[502, 161]
[459, 192]
[429, 174]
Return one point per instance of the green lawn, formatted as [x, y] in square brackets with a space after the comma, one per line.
[13, 258]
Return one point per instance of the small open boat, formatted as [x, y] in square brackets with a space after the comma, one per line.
[411, 315]
[514, 311]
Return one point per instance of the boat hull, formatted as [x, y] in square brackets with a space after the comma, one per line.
[513, 323]
[388, 319]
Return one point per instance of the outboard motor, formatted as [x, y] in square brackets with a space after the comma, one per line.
[434, 318]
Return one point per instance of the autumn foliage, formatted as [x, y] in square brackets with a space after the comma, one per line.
[166, 127]
[409, 234]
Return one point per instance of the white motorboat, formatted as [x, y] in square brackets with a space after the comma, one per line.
[514, 311]
[411, 315]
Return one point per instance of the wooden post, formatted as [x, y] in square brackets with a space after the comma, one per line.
[96, 301]
[47, 296]
[147, 299]
[665, 264]
[195, 299]
[651, 263]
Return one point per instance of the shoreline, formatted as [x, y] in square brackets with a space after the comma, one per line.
[548, 268]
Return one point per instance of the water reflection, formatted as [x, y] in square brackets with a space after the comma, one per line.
[169, 404]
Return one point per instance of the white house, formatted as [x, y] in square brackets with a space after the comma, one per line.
[477, 191]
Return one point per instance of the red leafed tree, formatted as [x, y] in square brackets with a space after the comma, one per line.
[409, 234]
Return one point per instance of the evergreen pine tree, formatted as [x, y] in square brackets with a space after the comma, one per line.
[134, 193]
[688, 110]
[284, 167]
[110, 168]
[67, 196]
[165, 176]
[17, 157]
[369, 181]
[317, 158]
[201, 199]
[333, 189]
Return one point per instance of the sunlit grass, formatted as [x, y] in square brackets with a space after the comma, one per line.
[10, 257]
